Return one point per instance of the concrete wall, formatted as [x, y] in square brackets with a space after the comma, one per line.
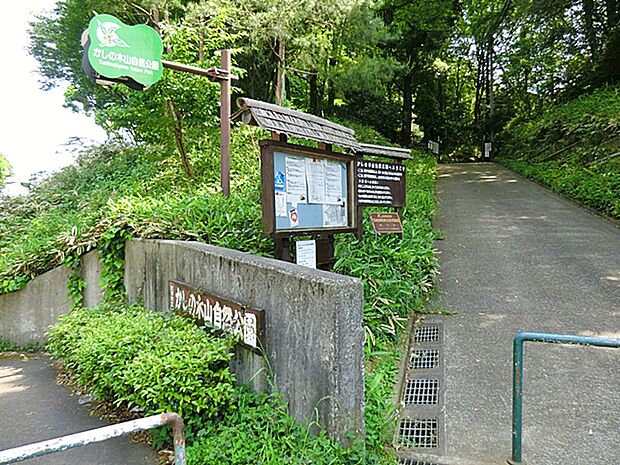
[313, 323]
[91, 270]
[27, 314]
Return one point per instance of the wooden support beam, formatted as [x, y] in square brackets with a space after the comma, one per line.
[213, 73]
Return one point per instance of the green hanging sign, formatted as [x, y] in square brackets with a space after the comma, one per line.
[118, 50]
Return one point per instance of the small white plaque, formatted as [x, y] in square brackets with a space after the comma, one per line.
[306, 253]
[280, 203]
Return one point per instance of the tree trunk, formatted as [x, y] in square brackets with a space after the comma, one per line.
[490, 94]
[407, 108]
[612, 8]
[480, 85]
[177, 127]
[590, 33]
[314, 94]
[330, 86]
[457, 90]
[280, 87]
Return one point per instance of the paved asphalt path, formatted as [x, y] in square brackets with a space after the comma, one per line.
[517, 257]
[34, 408]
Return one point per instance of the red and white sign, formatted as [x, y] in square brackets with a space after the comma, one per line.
[294, 217]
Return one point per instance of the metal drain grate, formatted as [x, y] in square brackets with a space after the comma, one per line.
[418, 432]
[421, 391]
[424, 359]
[409, 461]
[429, 333]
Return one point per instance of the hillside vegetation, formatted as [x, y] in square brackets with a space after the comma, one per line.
[574, 148]
[115, 192]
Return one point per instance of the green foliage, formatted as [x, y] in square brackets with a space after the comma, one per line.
[379, 408]
[259, 430]
[572, 148]
[114, 193]
[75, 283]
[145, 360]
[62, 216]
[31, 347]
[398, 276]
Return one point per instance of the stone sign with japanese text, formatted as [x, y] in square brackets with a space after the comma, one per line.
[217, 313]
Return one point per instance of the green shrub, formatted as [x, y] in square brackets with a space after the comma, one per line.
[31, 347]
[146, 360]
[398, 276]
[597, 187]
[116, 192]
[258, 430]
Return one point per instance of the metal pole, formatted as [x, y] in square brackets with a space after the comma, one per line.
[225, 125]
[39, 449]
[517, 377]
[175, 420]
[517, 399]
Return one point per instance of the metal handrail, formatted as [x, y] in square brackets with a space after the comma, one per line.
[38, 449]
[517, 379]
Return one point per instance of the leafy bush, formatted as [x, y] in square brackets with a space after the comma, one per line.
[145, 360]
[258, 430]
[31, 347]
[597, 186]
[398, 276]
[115, 192]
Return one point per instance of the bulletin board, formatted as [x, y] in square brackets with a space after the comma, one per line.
[306, 190]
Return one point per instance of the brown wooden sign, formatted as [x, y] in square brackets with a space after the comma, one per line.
[380, 184]
[217, 313]
[386, 223]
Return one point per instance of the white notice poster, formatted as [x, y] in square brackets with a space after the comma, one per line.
[280, 204]
[296, 180]
[333, 183]
[315, 175]
[335, 215]
[306, 253]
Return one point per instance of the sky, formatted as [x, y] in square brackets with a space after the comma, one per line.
[34, 125]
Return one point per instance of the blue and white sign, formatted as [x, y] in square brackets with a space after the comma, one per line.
[279, 181]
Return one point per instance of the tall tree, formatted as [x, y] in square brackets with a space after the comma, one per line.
[421, 30]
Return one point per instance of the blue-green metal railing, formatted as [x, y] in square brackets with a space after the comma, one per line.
[517, 377]
[101, 434]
